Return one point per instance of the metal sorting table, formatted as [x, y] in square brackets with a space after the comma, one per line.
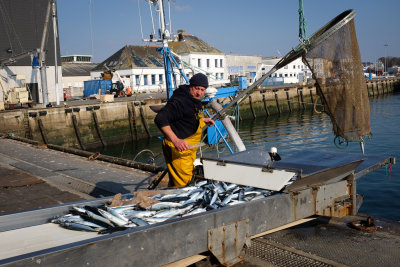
[175, 239]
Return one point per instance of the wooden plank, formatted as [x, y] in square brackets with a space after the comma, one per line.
[186, 262]
[283, 227]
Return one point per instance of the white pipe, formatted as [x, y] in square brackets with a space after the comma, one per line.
[229, 128]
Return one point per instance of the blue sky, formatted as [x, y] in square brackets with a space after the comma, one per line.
[252, 27]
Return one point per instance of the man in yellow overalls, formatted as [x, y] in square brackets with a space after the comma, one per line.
[181, 122]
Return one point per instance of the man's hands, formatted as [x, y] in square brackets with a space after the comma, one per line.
[180, 144]
[209, 121]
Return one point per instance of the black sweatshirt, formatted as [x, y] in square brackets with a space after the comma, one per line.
[180, 113]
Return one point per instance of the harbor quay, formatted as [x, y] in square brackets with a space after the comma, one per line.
[91, 123]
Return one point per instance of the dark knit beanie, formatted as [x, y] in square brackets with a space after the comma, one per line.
[199, 79]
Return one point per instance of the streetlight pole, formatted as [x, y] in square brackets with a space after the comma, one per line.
[385, 69]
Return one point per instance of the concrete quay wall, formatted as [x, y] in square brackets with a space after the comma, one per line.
[92, 125]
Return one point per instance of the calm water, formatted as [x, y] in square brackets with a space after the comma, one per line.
[307, 130]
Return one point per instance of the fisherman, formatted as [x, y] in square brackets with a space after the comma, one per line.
[181, 122]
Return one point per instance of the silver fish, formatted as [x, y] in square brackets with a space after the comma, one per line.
[139, 222]
[164, 205]
[80, 209]
[116, 214]
[139, 213]
[77, 227]
[67, 218]
[214, 198]
[152, 220]
[172, 212]
[201, 183]
[195, 211]
[112, 218]
[227, 199]
[99, 218]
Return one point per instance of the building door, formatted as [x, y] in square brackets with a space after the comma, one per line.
[34, 90]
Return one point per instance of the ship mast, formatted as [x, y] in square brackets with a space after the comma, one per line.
[165, 37]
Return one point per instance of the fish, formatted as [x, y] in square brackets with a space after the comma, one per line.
[139, 222]
[195, 211]
[226, 200]
[77, 226]
[112, 218]
[214, 198]
[67, 218]
[201, 197]
[116, 214]
[172, 212]
[201, 183]
[99, 218]
[139, 213]
[164, 205]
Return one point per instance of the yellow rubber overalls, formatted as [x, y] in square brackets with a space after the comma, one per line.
[180, 163]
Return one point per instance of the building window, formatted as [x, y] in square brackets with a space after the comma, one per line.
[199, 63]
[153, 79]
[216, 63]
[208, 63]
[220, 63]
[216, 76]
[286, 75]
[294, 66]
[145, 79]
[160, 79]
[222, 76]
[280, 74]
[137, 78]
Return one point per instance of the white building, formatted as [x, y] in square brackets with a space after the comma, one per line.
[198, 56]
[292, 73]
[140, 67]
[243, 65]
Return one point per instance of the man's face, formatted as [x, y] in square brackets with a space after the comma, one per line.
[197, 91]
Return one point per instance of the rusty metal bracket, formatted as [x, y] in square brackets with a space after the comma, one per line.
[226, 242]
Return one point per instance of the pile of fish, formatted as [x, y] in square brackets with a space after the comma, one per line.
[185, 201]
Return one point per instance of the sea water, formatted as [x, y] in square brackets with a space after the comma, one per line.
[301, 130]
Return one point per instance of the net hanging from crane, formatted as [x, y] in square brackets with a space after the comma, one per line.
[336, 66]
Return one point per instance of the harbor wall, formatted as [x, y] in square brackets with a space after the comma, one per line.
[93, 125]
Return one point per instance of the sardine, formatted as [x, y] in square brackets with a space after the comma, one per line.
[195, 211]
[172, 212]
[201, 183]
[112, 218]
[227, 199]
[67, 218]
[139, 213]
[99, 218]
[77, 226]
[139, 222]
[116, 214]
[214, 198]
[164, 205]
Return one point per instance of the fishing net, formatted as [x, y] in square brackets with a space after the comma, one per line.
[336, 67]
